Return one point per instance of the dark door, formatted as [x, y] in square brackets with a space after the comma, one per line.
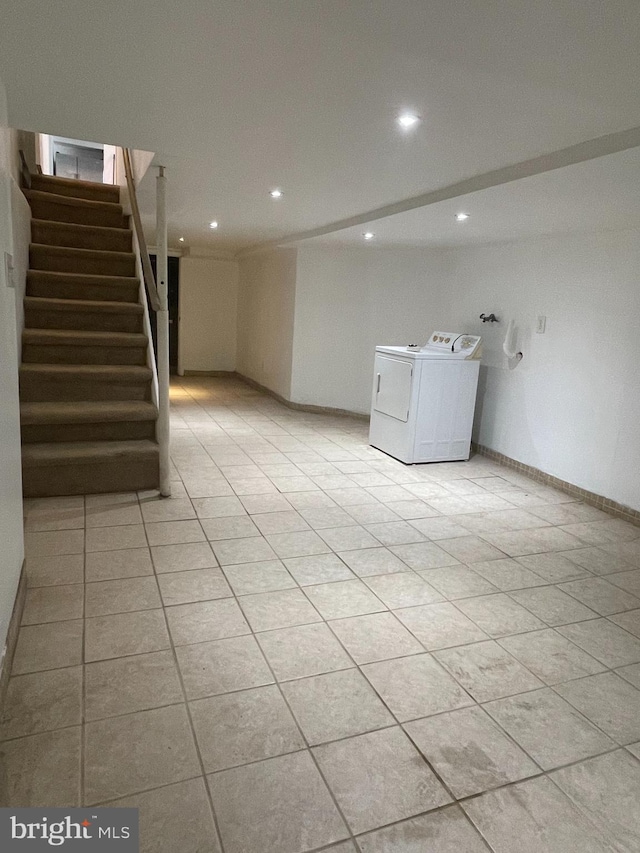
[173, 301]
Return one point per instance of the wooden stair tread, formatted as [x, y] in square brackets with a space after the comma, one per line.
[52, 303]
[95, 411]
[73, 337]
[86, 452]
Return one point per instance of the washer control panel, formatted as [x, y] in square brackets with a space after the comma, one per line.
[457, 342]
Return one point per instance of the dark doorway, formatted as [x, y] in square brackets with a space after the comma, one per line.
[173, 301]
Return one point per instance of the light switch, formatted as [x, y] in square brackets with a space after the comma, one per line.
[542, 325]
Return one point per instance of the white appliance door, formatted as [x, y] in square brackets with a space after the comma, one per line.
[392, 387]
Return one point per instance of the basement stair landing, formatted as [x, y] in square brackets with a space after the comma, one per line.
[88, 423]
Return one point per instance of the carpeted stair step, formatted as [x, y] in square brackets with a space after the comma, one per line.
[77, 189]
[87, 421]
[68, 285]
[78, 382]
[55, 346]
[89, 261]
[82, 314]
[50, 233]
[89, 467]
[64, 208]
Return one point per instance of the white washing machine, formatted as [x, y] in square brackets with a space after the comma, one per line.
[424, 398]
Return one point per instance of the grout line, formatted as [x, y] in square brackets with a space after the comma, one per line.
[306, 742]
[304, 739]
[196, 745]
[83, 747]
[242, 446]
[592, 498]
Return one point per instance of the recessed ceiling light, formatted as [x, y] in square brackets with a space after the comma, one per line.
[368, 235]
[276, 193]
[213, 224]
[408, 120]
[181, 239]
[460, 217]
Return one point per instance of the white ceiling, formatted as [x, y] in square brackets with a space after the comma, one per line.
[601, 194]
[239, 96]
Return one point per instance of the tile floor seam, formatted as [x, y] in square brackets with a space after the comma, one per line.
[436, 810]
[334, 619]
[192, 729]
[355, 666]
[67, 727]
[585, 719]
[511, 739]
[619, 745]
[546, 586]
[300, 446]
[276, 682]
[104, 803]
[475, 621]
[82, 664]
[308, 748]
[597, 830]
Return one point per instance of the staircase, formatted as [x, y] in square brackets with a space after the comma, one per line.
[88, 423]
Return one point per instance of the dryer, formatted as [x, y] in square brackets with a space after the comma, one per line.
[424, 398]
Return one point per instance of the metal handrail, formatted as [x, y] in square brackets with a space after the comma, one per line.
[154, 298]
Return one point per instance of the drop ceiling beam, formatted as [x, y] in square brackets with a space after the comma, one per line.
[612, 143]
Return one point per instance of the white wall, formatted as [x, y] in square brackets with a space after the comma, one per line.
[11, 536]
[140, 162]
[266, 303]
[208, 311]
[349, 300]
[20, 223]
[570, 408]
[21, 215]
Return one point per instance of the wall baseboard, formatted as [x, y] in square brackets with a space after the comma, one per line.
[606, 504]
[221, 374]
[12, 634]
[301, 407]
[600, 501]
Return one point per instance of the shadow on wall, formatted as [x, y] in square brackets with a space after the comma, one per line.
[483, 379]
[495, 386]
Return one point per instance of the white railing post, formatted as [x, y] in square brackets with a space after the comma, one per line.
[162, 326]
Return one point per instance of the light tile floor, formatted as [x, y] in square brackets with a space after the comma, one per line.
[311, 646]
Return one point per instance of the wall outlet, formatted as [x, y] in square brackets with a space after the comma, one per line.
[541, 326]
